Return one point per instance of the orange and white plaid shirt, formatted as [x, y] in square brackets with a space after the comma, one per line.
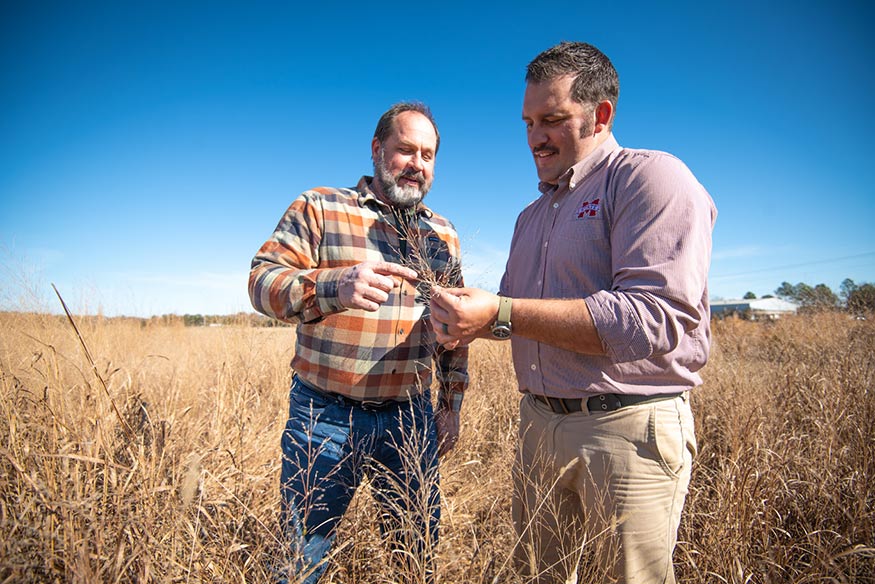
[367, 356]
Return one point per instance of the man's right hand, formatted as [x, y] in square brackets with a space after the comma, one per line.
[460, 315]
[367, 285]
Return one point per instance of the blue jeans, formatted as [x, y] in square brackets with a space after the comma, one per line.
[328, 446]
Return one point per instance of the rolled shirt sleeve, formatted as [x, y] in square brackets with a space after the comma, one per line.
[660, 245]
[284, 280]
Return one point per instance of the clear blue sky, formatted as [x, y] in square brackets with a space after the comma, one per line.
[148, 149]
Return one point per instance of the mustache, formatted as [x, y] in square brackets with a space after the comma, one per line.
[410, 173]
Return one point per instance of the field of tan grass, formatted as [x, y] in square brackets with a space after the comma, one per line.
[170, 472]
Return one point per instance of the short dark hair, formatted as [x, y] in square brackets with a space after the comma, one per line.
[387, 120]
[595, 78]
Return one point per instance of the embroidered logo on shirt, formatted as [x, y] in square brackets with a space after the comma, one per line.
[588, 209]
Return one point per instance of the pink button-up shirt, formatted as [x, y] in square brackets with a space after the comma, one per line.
[629, 231]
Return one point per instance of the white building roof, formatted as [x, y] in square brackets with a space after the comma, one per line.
[754, 304]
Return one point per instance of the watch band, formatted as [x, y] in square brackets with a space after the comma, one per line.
[504, 305]
[502, 328]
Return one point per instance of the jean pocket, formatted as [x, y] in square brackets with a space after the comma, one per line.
[302, 399]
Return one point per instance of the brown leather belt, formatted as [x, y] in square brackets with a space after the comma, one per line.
[604, 402]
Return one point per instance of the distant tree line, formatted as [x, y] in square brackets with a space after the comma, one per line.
[852, 297]
[855, 298]
[238, 319]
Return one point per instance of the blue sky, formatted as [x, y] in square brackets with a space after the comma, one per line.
[148, 149]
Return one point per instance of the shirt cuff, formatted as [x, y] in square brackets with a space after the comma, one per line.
[327, 287]
[451, 400]
[619, 328]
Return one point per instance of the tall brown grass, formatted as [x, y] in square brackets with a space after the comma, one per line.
[783, 489]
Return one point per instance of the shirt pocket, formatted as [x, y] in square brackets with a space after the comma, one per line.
[583, 229]
[447, 269]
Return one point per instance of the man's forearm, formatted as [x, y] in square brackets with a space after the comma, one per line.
[566, 324]
[459, 315]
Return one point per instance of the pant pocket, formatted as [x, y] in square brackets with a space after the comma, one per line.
[668, 438]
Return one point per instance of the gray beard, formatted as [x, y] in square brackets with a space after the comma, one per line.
[404, 197]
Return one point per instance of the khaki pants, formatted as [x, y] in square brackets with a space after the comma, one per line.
[600, 495]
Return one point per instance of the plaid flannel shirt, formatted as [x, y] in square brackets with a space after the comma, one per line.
[366, 356]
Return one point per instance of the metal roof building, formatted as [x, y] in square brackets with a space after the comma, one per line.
[754, 308]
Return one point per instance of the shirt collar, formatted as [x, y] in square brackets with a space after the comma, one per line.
[574, 175]
[367, 197]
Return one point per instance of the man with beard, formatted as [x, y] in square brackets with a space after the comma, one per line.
[338, 266]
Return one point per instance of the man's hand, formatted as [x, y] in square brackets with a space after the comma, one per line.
[367, 285]
[460, 315]
[447, 422]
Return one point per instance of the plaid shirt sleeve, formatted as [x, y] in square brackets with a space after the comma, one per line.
[451, 367]
[285, 281]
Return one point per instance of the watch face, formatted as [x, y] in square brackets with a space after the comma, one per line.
[501, 332]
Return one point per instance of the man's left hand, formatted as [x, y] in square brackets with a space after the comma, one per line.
[447, 422]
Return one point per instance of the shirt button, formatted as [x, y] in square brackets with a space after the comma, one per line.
[539, 282]
[534, 367]
[401, 332]
[572, 185]
[555, 205]
[545, 244]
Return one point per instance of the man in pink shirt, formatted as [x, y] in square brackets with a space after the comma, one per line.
[605, 300]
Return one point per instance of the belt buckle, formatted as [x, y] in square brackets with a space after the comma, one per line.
[607, 402]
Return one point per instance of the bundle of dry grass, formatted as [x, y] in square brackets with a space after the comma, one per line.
[782, 490]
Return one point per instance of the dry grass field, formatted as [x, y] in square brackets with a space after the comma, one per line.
[169, 472]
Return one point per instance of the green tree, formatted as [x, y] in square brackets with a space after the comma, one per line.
[750, 296]
[846, 288]
[786, 291]
[861, 299]
[193, 319]
[805, 295]
[820, 297]
[824, 297]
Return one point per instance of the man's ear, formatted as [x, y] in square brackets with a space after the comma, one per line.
[375, 149]
[604, 112]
